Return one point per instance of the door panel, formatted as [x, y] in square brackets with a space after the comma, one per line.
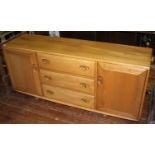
[23, 70]
[120, 92]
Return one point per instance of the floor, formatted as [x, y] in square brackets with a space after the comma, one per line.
[17, 108]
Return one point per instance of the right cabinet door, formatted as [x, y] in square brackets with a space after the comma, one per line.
[120, 90]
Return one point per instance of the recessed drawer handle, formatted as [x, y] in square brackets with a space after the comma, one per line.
[83, 67]
[84, 100]
[46, 77]
[50, 92]
[100, 80]
[45, 61]
[84, 85]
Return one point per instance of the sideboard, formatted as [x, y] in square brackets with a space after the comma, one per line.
[101, 77]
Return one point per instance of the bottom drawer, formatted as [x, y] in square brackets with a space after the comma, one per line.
[68, 96]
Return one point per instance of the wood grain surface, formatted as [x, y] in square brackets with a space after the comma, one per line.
[81, 48]
[119, 73]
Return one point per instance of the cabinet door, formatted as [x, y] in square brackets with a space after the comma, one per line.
[120, 90]
[23, 70]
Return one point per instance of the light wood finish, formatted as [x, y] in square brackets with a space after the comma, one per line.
[68, 96]
[106, 52]
[100, 77]
[23, 70]
[144, 95]
[67, 81]
[120, 91]
[66, 65]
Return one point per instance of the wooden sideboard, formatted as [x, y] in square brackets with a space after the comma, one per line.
[101, 77]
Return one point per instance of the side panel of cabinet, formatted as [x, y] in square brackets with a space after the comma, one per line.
[120, 90]
[23, 70]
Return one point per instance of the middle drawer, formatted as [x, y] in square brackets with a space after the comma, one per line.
[67, 81]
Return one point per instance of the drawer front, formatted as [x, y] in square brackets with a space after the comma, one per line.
[67, 65]
[67, 81]
[68, 96]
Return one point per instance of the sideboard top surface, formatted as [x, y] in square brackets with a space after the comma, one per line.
[116, 53]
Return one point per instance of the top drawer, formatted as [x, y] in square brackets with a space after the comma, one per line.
[67, 65]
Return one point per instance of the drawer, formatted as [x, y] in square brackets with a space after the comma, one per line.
[67, 81]
[68, 96]
[67, 65]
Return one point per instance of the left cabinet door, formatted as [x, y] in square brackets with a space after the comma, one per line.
[23, 70]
